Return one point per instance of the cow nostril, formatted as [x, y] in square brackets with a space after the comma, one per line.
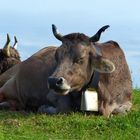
[59, 82]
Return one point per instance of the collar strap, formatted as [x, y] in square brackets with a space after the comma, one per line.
[94, 80]
[96, 75]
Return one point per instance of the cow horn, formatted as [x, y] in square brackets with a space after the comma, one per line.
[96, 37]
[6, 47]
[16, 43]
[56, 33]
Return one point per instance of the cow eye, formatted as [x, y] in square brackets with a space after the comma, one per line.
[79, 61]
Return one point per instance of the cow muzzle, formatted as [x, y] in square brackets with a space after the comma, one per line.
[59, 85]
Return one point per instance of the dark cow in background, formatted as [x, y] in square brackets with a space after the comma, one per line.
[27, 87]
[9, 56]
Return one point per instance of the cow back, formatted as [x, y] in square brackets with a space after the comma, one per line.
[116, 85]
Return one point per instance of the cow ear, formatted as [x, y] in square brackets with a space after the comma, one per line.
[103, 65]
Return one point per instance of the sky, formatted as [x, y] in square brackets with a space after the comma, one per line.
[30, 21]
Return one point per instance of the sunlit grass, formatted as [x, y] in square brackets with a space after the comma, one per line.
[21, 126]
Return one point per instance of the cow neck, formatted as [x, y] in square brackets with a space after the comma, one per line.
[94, 81]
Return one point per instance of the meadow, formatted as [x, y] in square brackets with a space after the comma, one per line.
[75, 126]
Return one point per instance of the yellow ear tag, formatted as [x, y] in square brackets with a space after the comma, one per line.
[89, 100]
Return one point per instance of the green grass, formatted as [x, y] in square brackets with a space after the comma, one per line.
[76, 126]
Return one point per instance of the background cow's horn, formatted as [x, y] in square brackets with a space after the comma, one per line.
[16, 43]
[56, 33]
[97, 36]
[6, 47]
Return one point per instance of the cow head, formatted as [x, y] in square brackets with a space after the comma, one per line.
[10, 51]
[77, 59]
[9, 56]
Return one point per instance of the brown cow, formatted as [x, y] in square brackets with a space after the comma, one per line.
[9, 56]
[77, 60]
[28, 87]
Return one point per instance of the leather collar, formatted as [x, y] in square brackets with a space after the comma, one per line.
[96, 75]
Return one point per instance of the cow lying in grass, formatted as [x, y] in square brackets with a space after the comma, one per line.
[67, 70]
[73, 72]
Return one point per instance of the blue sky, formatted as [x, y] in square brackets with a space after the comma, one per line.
[30, 21]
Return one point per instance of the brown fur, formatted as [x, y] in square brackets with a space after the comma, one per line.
[114, 90]
[78, 37]
[117, 86]
[27, 79]
[7, 62]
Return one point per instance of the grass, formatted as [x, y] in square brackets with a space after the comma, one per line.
[76, 126]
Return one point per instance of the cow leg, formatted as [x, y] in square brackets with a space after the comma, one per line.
[2, 96]
[52, 97]
[51, 107]
[45, 109]
[62, 105]
[8, 105]
[106, 109]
